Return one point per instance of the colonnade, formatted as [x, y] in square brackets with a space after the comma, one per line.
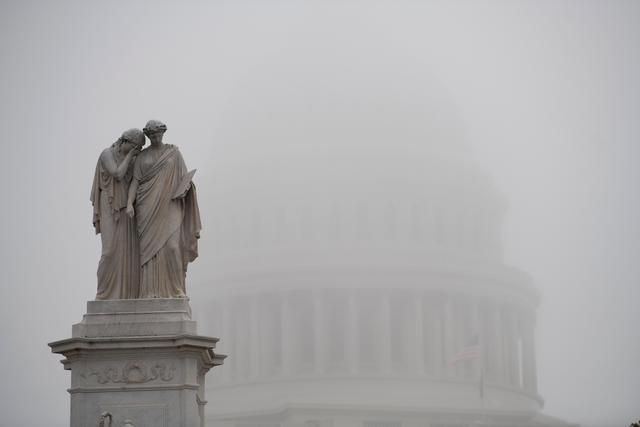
[358, 331]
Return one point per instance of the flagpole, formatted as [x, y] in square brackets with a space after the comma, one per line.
[483, 411]
[482, 406]
[474, 350]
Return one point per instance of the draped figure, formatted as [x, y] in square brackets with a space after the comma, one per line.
[167, 216]
[119, 266]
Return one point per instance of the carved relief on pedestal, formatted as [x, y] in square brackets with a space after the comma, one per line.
[134, 372]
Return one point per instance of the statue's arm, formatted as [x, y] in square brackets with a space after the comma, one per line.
[115, 170]
[133, 189]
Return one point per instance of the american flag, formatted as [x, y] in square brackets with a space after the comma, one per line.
[471, 350]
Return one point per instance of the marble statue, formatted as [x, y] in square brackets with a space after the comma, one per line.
[119, 266]
[162, 199]
[146, 210]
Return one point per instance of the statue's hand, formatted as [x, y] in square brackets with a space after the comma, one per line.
[130, 211]
[133, 152]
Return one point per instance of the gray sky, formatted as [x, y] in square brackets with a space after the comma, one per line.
[545, 97]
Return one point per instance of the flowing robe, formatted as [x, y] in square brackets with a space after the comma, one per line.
[168, 221]
[119, 266]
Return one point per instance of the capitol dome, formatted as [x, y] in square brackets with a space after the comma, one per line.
[355, 254]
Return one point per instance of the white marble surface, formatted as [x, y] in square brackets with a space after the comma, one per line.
[139, 360]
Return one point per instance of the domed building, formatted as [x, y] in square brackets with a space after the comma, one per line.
[355, 276]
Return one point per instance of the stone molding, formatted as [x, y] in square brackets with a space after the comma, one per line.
[149, 356]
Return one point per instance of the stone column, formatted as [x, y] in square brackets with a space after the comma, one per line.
[476, 329]
[449, 338]
[285, 335]
[511, 349]
[436, 349]
[497, 354]
[416, 344]
[529, 354]
[484, 326]
[533, 363]
[506, 349]
[255, 350]
[319, 334]
[352, 333]
[458, 336]
[138, 360]
[385, 332]
[517, 379]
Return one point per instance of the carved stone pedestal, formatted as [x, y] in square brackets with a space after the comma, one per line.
[140, 361]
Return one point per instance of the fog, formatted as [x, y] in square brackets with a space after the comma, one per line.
[530, 108]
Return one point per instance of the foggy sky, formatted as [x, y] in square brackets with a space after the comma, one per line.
[545, 97]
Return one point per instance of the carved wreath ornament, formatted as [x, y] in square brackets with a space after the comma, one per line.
[134, 373]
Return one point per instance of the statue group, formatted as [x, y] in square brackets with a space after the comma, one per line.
[146, 211]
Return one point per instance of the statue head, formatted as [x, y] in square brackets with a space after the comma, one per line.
[154, 127]
[130, 139]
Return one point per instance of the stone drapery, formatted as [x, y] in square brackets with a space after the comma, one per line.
[168, 222]
[119, 266]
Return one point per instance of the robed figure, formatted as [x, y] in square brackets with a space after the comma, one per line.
[162, 198]
[119, 266]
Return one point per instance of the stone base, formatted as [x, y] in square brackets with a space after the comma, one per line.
[140, 361]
